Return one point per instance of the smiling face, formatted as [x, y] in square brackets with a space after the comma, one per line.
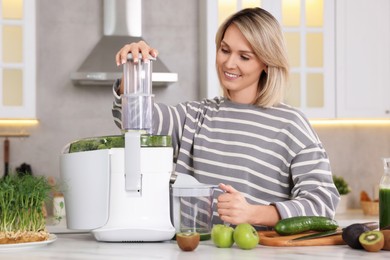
[238, 67]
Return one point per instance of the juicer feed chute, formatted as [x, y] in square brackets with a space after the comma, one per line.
[137, 97]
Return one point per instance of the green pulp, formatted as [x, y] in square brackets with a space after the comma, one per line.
[117, 141]
[384, 208]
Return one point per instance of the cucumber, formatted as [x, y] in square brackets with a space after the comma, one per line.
[296, 225]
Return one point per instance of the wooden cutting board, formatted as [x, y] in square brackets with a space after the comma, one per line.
[271, 238]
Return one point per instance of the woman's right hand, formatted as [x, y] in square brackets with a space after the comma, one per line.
[135, 48]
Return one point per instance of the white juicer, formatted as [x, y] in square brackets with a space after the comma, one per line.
[122, 194]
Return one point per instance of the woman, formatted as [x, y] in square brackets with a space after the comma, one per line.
[264, 154]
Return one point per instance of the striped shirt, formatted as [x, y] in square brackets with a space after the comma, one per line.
[271, 155]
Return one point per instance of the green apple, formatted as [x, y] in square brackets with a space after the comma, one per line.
[246, 236]
[222, 236]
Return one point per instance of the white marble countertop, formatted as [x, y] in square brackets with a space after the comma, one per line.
[82, 246]
[354, 216]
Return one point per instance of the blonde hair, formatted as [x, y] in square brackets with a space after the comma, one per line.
[265, 36]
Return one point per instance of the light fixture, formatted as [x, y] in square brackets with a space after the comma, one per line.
[350, 122]
[18, 122]
[9, 124]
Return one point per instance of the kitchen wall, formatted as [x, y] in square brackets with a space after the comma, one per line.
[66, 33]
[355, 153]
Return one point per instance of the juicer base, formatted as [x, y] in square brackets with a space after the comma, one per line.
[133, 234]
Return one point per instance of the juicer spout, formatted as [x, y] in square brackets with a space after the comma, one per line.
[133, 161]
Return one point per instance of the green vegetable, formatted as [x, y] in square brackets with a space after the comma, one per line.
[295, 225]
[118, 141]
[97, 143]
[21, 200]
[341, 185]
[156, 141]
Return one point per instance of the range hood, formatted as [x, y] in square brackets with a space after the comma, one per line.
[122, 25]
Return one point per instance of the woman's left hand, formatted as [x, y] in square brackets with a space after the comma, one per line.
[232, 206]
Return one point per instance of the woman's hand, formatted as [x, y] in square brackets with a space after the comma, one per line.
[234, 209]
[135, 48]
[232, 206]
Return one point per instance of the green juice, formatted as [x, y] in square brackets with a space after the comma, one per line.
[203, 233]
[203, 237]
[384, 208]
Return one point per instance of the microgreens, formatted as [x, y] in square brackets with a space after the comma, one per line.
[21, 201]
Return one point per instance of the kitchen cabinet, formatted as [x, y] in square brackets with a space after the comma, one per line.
[308, 27]
[17, 59]
[363, 58]
[340, 67]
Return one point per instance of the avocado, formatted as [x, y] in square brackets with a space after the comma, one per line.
[372, 241]
[351, 235]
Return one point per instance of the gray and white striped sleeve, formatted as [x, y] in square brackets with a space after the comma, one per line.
[117, 105]
[313, 192]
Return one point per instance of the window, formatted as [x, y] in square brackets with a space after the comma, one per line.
[308, 27]
[309, 36]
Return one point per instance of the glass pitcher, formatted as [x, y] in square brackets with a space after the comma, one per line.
[384, 195]
[192, 209]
